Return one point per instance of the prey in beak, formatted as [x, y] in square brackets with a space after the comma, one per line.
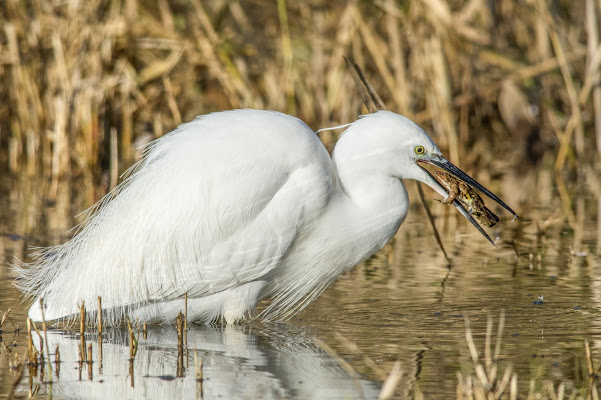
[481, 212]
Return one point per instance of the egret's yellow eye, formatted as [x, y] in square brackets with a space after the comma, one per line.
[419, 150]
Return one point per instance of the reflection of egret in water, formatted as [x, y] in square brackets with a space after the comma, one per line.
[236, 364]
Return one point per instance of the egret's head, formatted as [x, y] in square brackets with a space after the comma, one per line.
[392, 144]
[387, 142]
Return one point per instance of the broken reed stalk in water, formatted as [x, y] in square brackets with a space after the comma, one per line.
[30, 342]
[99, 316]
[45, 328]
[4, 317]
[179, 327]
[133, 349]
[100, 333]
[82, 331]
[39, 353]
[145, 330]
[186, 319]
[133, 342]
[185, 327]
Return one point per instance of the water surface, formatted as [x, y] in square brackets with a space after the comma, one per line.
[405, 303]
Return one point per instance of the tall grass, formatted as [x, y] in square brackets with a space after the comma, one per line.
[84, 83]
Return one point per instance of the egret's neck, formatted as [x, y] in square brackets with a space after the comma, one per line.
[364, 213]
[371, 206]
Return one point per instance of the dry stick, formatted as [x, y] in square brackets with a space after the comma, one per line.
[594, 50]
[570, 88]
[41, 352]
[186, 319]
[179, 327]
[82, 330]
[487, 345]
[114, 158]
[367, 100]
[29, 341]
[591, 78]
[31, 356]
[431, 219]
[391, 382]
[186, 326]
[371, 44]
[133, 348]
[133, 342]
[45, 328]
[4, 317]
[373, 102]
[493, 370]
[480, 372]
[145, 330]
[100, 334]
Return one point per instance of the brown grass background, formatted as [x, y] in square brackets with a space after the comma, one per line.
[84, 83]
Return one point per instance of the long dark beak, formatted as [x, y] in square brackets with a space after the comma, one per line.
[446, 165]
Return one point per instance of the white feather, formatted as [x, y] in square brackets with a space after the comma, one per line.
[230, 208]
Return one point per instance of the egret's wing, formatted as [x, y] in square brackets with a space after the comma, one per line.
[215, 204]
[236, 232]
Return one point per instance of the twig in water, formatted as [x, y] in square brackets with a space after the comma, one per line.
[82, 331]
[100, 334]
[47, 349]
[4, 317]
[186, 319]
[133, 342]
[179, 326]
[392, 381]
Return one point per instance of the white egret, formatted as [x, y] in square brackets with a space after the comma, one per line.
[233, 207]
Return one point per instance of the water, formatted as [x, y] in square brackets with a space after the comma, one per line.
[405, 303]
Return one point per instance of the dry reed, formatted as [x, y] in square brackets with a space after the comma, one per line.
[85, 83]
[100, 334]
[179, 327]
[82, 332]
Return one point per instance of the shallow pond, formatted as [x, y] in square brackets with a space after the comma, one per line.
[405, 303]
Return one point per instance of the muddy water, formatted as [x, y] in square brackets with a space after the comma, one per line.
[405, 303]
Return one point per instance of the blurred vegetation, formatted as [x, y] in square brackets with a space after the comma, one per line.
[84, 83]
[499, 84]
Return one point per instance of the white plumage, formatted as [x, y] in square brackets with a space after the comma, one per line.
[230, 208]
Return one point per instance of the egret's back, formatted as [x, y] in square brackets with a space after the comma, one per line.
[212, 206]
